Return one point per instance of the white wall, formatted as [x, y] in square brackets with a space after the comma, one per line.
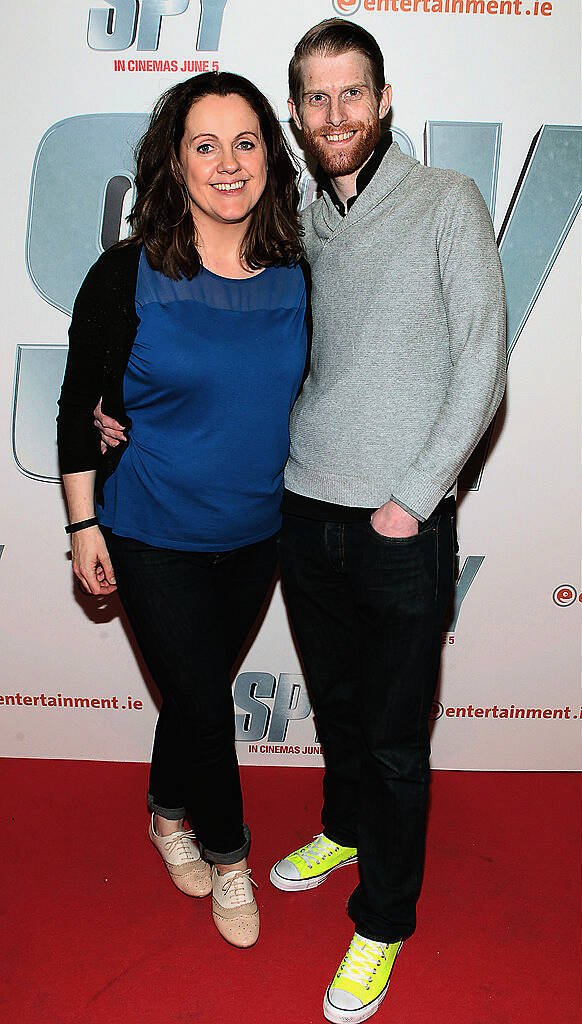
[514, 645]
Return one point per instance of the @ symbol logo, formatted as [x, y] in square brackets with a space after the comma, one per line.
[436, 710]
[346, 7]
[564, 595]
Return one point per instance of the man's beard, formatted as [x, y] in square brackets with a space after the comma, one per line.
[351, 157]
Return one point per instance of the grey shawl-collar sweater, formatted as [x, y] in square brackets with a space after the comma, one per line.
[408, 353]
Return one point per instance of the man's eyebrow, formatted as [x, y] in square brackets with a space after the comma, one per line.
[350, 85]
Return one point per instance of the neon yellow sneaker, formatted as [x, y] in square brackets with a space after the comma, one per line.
[361, 981]
[311, 865]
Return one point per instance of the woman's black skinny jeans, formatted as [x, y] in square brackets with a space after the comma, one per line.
[191, 612]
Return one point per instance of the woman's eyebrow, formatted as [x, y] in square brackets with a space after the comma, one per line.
[211, 135]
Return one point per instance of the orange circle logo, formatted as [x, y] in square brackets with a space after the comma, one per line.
[564, 595]
[346, 6]
[436, 711]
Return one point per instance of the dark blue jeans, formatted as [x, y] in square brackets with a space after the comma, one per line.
[191, 613]
[367, 612]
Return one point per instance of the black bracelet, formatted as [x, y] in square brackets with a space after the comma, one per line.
[83, 525]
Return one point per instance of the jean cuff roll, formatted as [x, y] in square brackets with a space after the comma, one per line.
[171, 813]
[228, 858]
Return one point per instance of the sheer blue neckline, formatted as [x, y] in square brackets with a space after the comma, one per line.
[234, 280]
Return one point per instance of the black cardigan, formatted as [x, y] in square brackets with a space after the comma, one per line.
[101, 337]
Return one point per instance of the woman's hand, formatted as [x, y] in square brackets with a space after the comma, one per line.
[111, 431]
[91, 562]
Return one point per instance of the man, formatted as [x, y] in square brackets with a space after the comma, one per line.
[407, 370]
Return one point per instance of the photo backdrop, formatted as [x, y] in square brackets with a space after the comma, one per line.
[489, 88]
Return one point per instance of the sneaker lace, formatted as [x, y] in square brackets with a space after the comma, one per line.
[318, 850]
[361, 961]
[181, 843]
[237, 887]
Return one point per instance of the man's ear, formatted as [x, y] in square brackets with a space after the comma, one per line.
[385, 101]
[294, 113]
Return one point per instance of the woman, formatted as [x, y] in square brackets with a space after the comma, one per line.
[193, 330]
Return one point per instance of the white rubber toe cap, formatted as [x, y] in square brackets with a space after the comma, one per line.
[286, 869]
[342, 1000]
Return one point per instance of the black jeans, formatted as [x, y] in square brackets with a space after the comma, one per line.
[367, 612]
[191, 612]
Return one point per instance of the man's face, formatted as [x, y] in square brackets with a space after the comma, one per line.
[338, 112]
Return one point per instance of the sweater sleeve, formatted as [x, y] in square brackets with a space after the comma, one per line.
[77, 438]
[474, 300]
[100, 338]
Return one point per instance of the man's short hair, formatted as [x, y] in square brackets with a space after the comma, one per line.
[330, 38]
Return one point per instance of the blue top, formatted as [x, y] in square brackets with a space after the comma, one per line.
[214, 370]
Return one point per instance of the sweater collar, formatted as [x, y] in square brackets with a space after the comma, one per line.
[393, 168]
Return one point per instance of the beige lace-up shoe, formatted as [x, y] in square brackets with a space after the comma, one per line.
[234, 907]
[182, 858]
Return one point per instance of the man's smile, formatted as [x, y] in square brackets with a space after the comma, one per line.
[338, 136]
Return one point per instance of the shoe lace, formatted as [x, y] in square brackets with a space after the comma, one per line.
[181, 843]
[319, 849]
[237, 887]
[361, 961]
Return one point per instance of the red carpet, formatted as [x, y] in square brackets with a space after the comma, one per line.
[95, 933]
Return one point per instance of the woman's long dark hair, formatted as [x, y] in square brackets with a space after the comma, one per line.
[161, 217]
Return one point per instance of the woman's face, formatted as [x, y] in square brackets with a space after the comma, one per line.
[223, 159]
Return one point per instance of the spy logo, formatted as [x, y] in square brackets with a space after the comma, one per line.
[346, 7]
[126, 21]
[254, 716]
[564, 595]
